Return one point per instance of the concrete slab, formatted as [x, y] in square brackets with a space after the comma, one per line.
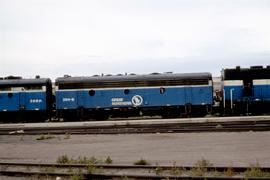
[221, 149]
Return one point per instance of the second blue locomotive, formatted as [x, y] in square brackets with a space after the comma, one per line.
[168, 95]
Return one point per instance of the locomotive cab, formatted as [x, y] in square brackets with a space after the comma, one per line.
[25, 99]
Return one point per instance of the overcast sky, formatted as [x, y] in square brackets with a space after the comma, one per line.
[86, 37]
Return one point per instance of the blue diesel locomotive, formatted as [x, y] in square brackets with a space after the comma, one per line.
[168, 95]
[246, 90]
[29, 99]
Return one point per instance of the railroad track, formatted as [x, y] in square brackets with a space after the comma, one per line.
[127, 128]
[94, 171]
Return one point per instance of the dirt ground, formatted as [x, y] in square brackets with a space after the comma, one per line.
[221, 149]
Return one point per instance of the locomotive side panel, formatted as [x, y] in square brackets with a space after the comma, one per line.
[261, 99]
[262, 89]
[9, 101]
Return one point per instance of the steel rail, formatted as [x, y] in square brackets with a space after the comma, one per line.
[120, 171]
[144, 128]
[123, 176]
[126, 166]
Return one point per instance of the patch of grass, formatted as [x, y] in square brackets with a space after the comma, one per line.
[141, 162]
[176, 171]
[80, 160]
[45, 137]
[219, 126]
[91, 169]
[50, 169]
[200, 168]
[197, 171]
[78, 176]
[67, 136]
[85, 160]
[216, 173]
[256, 171]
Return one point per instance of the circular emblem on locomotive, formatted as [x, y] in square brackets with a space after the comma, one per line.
[137, 100]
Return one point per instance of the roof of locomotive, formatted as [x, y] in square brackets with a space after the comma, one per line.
[155, 79]
[254, 72]
[132, 77]
[24, 82]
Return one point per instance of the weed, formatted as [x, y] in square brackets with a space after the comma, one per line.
[158, 170]
[108, 160]
[63, 160]
[93, 160]
[203, 163]
[200, 167]
[141, 162]
[229, 172]
[45, 137]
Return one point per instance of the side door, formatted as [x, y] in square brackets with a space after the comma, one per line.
[188, 95]
[22, 100]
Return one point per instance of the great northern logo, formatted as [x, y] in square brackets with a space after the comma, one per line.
[137, 100]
